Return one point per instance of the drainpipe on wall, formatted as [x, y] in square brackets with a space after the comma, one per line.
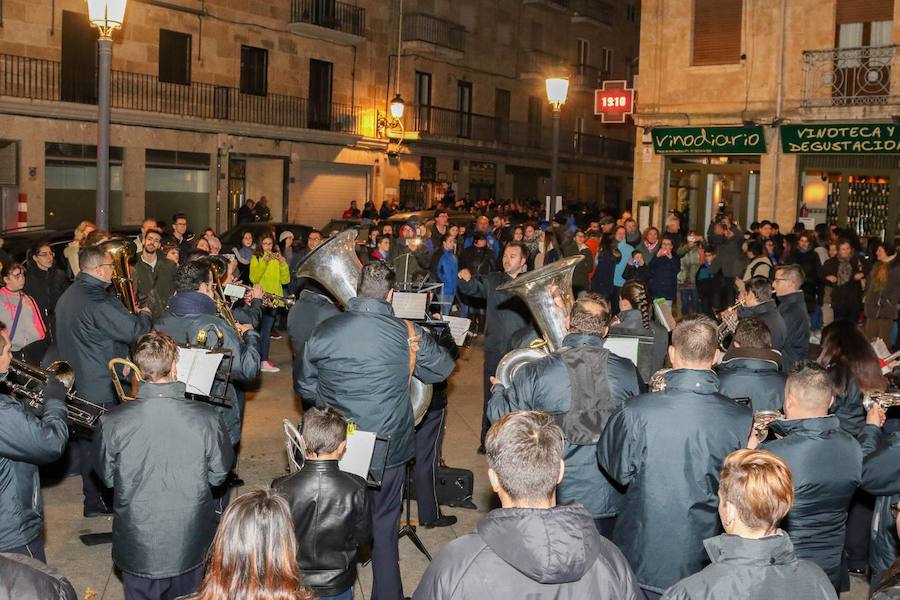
[779, 105]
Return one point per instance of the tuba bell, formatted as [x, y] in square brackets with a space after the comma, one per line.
[336, 267]
[548, 294]
[122, 250]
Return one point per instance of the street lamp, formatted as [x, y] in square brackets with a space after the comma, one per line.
[557, 90]
[107, 16]
[397, 107]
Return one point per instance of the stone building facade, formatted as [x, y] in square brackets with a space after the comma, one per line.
[217, 101]
[772, 110]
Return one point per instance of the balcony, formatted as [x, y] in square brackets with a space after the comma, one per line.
[443, 124]
[39, 79]
[328, 19]
[849, 77]
[592, 12]
[430, 35]
[538, 65]
[554, 5]
[584, 78]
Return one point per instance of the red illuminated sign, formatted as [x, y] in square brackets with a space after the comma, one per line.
[614, 101]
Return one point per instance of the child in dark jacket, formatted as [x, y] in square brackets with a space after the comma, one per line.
[636, 268]
[664, 270]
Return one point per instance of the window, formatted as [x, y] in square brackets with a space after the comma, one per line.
[606, 61]
[320, 89]
[864, 23]
[423, 101]
[254, 70]
[537, 35]
[502, 102]
[584, 52]
[174, 57]
[717, 32]
[535, 112]
[464, 105]
[631, 12]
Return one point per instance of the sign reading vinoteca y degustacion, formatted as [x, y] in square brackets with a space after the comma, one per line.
[876, 138]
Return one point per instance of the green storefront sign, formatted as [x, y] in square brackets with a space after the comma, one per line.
[709, 140]
[878, 138]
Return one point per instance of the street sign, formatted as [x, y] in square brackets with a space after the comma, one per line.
[614, 101]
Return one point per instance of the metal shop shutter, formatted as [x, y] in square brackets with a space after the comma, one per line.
[326, 189]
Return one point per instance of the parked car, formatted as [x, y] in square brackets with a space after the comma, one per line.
[19, 242]
[232, 238]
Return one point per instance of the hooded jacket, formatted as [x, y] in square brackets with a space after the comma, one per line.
[792, 308]
[668, 448]
[826, 465]
[25, 443]
[881, 478]
[746, 569]
[161, 453]
[310, 309]
[753, 373]
[519, 553]
[93, 326]
[768, 312]
[545, 385]
[369, 382]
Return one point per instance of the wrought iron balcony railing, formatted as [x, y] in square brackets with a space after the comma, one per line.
[445, 122]
[849, 76]
[425, 28]
[330, 14]
[41, 79]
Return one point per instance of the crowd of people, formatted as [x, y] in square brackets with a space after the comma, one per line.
[744, 454]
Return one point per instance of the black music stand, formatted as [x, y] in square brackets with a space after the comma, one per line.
[407, 525]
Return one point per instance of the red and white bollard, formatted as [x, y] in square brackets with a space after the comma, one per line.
[23, 211]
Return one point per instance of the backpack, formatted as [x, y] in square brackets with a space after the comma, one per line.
[768, 263]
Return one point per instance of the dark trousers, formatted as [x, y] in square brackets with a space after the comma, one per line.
[651, 595]
[266, 323]
[169, 588]
[859, 521]
[34, 549]
[429, 436]
[95, 495]
[849, 312]
[385, 505]
[605, 526]
[491, 360]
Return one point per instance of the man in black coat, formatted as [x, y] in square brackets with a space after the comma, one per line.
[751, 369]
[529, 548]
[582, 385]
[788, 286]
[826, 465]
[26, 442]
[164, 453]
[312, 307]
[758, 302]
[506, 314]
[92, 327]
[668, 448]
[153, 275]
[369, 383]
[193, 319]
[329, 507]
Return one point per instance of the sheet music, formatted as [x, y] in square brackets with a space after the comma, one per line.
[663, 314]
[234, 291]
[358, 457]
[459, 328]
[623, 346]
[408, 305]
[196, 368]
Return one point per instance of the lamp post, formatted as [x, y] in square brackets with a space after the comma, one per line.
[107, 16]
[557, 90]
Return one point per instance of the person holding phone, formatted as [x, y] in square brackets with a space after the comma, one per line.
[269, 269]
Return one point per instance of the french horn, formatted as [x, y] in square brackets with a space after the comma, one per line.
[547, 292]
[336, 267]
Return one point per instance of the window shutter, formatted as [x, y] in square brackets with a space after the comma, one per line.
[864, 11]
[717, 32]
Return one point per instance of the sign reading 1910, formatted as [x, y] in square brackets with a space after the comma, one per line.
[875, 138]
[709, 140]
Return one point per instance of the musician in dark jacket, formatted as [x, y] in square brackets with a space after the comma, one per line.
[582, 386]
[92, 327]
[881, 478]
[754, 558]
[751, 369]
[313, 306]
[26, 442]
[888, 587]
[668, 448]
[25, 578]
[758, 302]
[193, 319]
[531, 547]
[45, 283]
[162, 453]
[826, 464]
[788, 286]
[636, 318]
[329, 507]
[506, 313]
[369, 384]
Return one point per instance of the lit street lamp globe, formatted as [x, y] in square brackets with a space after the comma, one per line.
[557, 90]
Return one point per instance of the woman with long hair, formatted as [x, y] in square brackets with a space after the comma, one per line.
[254, 553]
[244, 254]
[603, 279]
[882, 294]
[25, 326]
[269, 269]
[636, 318]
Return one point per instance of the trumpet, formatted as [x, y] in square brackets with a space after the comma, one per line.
[269, 300]
[81, 413]
[884, 399]
[761, 421]
[728, 322]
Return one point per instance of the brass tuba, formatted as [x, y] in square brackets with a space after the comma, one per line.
[548, 294]
[122, 250]
[336, 267]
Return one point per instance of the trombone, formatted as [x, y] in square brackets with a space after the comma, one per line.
[81, 413]
[269, 299]
[223, 306]
[884, 399]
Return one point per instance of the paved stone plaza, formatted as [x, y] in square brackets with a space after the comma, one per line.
[91, 571]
